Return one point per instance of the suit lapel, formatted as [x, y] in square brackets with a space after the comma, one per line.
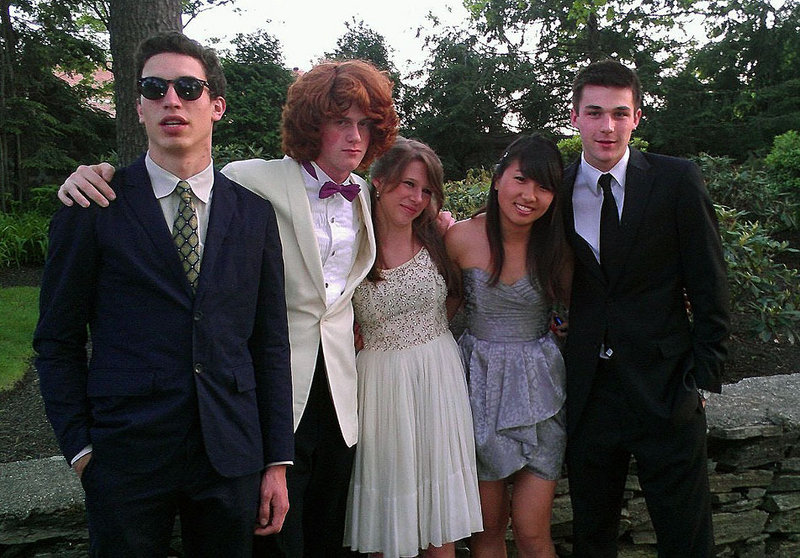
[638, 184]
[583, 252]
[139, 196]
[222, 209]
[304, 226]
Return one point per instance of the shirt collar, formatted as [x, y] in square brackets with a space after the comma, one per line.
[322, 176]
[164, 182]
[592, 175]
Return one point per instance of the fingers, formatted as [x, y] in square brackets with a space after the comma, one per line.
[271, 515]
[87, 184]
[274, 501]
[81, 464]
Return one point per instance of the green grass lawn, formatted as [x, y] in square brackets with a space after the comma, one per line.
[19, 310]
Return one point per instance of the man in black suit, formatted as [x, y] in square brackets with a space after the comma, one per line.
[186, 402]
[646, 240]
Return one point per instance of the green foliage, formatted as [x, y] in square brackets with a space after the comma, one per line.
[571, 147]
[257, 85]
[18, 314]
[23, 238]
[737, 91]
[47, 125]
[467, 96]
[784, 161]
[762, 289]
[752, 191]
[224, 153]
[465, 197]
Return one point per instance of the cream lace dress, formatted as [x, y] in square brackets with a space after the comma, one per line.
[414, 479]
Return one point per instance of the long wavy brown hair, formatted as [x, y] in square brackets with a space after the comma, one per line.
[389, 170]
[326, 92]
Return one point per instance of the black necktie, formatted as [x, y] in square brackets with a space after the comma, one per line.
[609, 227]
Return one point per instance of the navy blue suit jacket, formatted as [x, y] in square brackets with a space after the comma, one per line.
[163, 361]
[671, 243]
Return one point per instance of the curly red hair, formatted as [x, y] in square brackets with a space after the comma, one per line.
[327, 91]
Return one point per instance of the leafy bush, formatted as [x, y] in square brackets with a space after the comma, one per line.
[464, 197]
[750, 190]
[762, 289]
[235, 151]
[571, 147]
[23, 238]
[784, 162]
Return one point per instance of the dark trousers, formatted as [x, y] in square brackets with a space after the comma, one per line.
[133, 514]
[672, 470]
[317, 482]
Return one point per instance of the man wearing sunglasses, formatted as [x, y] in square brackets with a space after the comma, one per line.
[338, 117]
[185, 404]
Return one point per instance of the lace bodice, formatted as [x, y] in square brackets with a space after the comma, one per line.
[405, 309]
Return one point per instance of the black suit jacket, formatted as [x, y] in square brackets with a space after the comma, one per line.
[164, 361]
[671, 243]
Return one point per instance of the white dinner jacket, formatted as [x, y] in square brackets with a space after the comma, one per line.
[311, 322]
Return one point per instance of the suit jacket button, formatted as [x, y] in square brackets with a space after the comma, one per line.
[198, 368]
[198, 316]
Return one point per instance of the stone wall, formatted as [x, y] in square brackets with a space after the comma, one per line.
[754, 460]
[754, 465]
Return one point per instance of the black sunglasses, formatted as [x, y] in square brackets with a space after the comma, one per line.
[188, 88]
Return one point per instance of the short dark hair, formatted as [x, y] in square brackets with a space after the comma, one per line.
[326, 92]
[606, 73]
[178, 43]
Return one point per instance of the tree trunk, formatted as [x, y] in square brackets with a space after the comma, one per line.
[130, 22]
[7, 55]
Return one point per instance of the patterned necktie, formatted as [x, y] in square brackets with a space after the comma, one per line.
[184, 233]
[609, 227]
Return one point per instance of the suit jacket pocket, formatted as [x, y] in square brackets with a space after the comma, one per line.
[242, 377]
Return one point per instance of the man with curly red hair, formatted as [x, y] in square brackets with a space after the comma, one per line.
[338, 118]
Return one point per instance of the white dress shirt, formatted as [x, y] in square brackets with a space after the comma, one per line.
[164, 183]
[337, 226]
[587, 198]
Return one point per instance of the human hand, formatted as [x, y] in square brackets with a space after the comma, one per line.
[81, 464]
[444, 221]
[559, 327]
[87, 184]
[274, 501]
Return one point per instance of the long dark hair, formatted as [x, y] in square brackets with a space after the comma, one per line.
[549, 258]
[389, 169]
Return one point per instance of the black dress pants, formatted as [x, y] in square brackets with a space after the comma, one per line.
[672, 470]
[317, 482]
[132, 515]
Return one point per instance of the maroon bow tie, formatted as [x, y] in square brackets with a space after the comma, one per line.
[348, 191]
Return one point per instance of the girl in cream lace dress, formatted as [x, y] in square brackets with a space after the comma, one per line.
[414, 484]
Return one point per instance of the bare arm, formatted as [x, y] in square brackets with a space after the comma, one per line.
[88, 184]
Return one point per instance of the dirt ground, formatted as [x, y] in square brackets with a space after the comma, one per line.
[26, 434]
